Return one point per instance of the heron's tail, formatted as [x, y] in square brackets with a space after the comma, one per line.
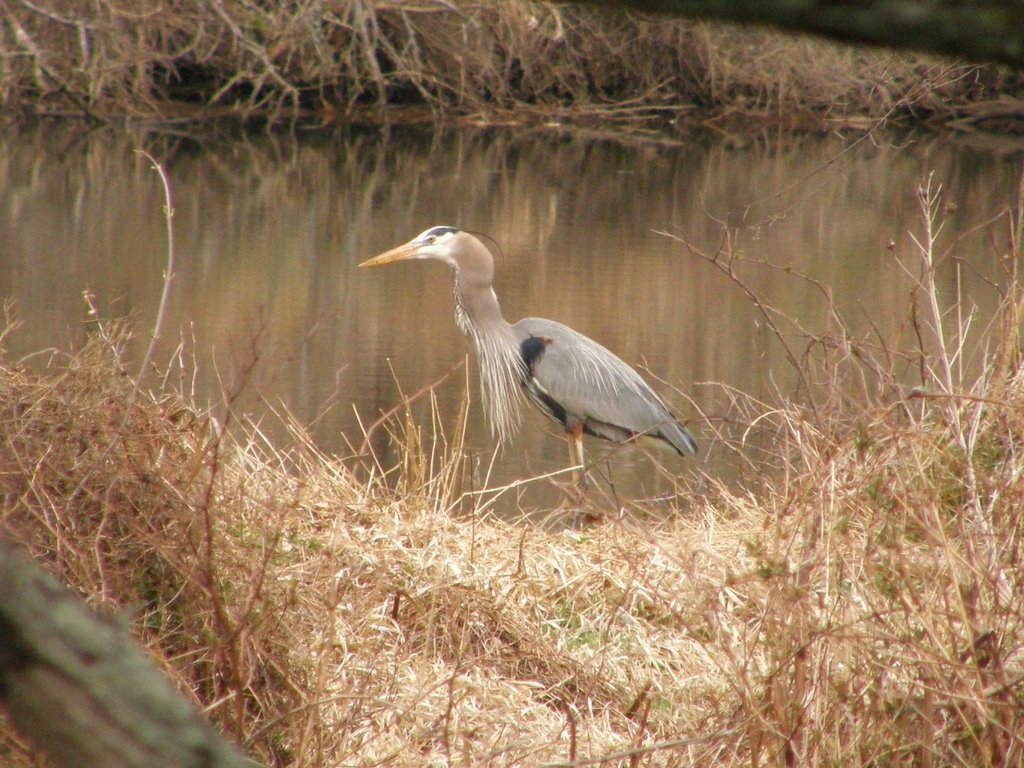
[679, 437]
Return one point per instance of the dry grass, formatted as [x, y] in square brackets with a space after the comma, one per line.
[322, 62]
[320, 618]
[860, 606]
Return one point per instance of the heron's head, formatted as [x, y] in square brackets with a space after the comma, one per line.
[459, 250]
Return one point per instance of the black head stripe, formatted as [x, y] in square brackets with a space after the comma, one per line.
[438, 231]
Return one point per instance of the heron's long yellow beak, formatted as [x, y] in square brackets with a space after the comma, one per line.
[409, 250]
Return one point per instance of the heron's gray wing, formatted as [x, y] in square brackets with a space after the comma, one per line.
[595, 386]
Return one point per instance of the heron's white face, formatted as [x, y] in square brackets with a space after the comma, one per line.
[438, 243]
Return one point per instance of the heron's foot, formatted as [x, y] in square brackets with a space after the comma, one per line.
[585, 517]
[582, 511]
[577, 514]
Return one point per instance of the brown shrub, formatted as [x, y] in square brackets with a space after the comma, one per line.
[335, 60]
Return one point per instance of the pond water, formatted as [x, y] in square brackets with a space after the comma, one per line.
[269, 231]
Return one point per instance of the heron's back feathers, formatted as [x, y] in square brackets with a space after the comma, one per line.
[573, 379]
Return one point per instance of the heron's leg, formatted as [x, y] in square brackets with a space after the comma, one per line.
[579, 475]
[582, 514]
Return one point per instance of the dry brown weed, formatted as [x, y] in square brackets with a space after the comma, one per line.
[323, 62]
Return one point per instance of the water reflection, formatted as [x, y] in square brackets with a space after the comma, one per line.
[269, 231]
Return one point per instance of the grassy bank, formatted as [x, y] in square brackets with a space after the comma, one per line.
[860, 605]
[321, 63]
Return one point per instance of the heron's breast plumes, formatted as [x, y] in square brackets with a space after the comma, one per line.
[498, 357]
[501, 377]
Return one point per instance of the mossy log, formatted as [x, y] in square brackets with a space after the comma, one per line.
[76, 687]
[982, 30]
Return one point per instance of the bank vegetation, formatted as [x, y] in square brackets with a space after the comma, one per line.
[328, 62]
[858, 603]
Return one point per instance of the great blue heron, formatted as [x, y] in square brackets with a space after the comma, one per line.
[573, 380]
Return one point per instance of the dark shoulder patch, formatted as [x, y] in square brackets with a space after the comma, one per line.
[531, 350]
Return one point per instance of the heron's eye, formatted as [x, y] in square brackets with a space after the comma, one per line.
[431, 240]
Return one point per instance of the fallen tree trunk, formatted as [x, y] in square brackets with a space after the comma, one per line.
[76, 687]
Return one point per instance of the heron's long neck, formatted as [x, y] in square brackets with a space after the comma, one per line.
[478, 315]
